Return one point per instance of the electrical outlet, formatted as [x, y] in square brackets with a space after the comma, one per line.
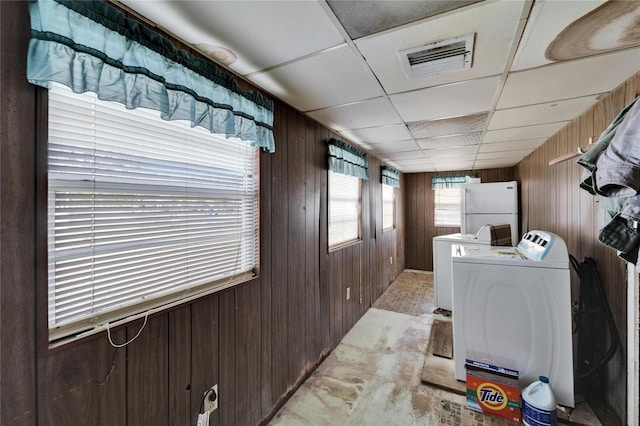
[348, 293]
[211, 399]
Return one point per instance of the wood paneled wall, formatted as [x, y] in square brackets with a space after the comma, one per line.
[552, 200]
[419, 213]
[257, 341]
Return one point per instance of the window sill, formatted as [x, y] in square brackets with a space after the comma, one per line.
[344, 245]
[100, 332]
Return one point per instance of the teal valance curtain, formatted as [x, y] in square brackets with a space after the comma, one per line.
[92, 46]
[450, 181]
[390, 176]
[345, 159]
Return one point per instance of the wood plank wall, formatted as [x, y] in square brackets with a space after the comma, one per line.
[419, 213]
[552, 200]
[257, 341]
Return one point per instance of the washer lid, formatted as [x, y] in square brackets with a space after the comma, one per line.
[490, 255]
[457, 238]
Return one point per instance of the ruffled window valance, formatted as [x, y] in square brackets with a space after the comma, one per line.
[345, 159]
[390, 176]
[92, 46]
[450, 181]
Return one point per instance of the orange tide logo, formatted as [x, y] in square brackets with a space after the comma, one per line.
[492, 396]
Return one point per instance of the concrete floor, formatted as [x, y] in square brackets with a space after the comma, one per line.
[373, 378]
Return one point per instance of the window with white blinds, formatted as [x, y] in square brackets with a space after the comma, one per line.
[345, 200]
[388, 207]
[142, 212]
[447, 207]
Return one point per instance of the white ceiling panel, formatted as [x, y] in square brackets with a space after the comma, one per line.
[261, 33]
[332, 78]
[419, 168]
[539, 131]
[541, 113]
[412, 162]
[569, 79]
[465, 98]
[493, 23]
[492, 164]
[375, 112]
[442, 166]
[399, 146]
[441, 157]
[451, 152]
[512, 145]
[494, 155]
[374, 135]
[547, 20]
[406, 155]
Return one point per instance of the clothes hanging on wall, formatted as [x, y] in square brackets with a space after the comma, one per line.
[612, 175]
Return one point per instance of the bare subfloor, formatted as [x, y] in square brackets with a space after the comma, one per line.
[373, 376]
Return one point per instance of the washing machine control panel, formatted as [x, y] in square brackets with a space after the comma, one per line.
[536, 244]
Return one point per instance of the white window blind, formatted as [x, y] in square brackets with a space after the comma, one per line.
[141, 211]
[344, 209]
[388, 207]
[447, 207]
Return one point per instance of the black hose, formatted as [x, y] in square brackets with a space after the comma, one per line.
[588, 272]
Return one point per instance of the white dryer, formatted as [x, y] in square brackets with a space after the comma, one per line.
[442, 244]
[512, 308]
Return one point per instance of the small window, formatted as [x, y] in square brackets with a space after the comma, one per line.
[388, 207]
[142, 212]
[345, 199]
[447, 207]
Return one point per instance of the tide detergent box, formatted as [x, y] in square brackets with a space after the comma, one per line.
[493, 390]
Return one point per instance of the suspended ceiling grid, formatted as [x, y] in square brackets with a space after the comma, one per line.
[536, 66]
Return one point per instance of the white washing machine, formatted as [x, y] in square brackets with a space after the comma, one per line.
[442, 244]
[512, 308]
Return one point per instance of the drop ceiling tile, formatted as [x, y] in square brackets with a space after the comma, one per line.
[512, 145]
[451, 141]
[332, 78]
[523, 133]
[492, 164]
[561, 31]
[406, 155]
[448, 126]
[452, 166]
[453, 100]
[392, 164]
[550, 112]
[375, 112]
[494, 24]
[589, 76]
[451, 152]
[546, 21]
[418, 168]
[276, 31]
[436, 157]
[381, 134]
[391, 147]
[412, 162]
[500, 155]
[361, 18]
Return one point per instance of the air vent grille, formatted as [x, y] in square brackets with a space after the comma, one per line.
[440, 57]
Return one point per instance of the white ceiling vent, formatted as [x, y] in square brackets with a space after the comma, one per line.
[443, 56]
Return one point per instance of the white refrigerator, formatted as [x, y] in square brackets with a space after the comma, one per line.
[495, 203]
